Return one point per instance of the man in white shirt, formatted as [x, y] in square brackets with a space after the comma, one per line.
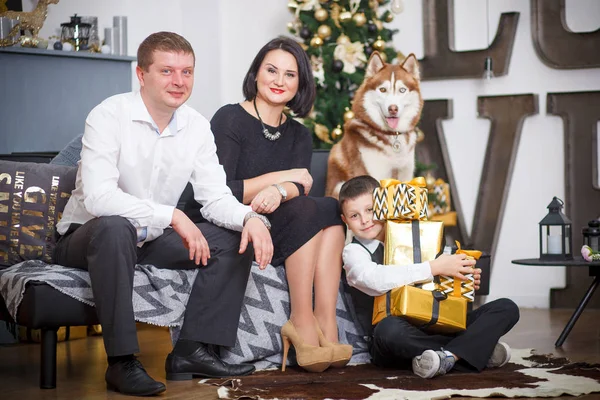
[394, 341]
[139, 152]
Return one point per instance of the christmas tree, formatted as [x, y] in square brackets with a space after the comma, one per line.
[339, 36]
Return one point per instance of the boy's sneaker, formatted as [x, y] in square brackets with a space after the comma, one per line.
[500, 356]
[432, 363]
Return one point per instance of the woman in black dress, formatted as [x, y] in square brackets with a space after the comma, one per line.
[266, 156]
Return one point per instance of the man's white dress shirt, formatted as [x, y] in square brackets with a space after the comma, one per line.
[129, 169]
[377, 279]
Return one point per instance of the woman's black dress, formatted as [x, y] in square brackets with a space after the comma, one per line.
[245, 153]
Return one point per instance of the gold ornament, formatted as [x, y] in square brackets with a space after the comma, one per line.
[316, 41]
[389, 17]
[429, 180]
[324, 31]
[29, 21]
[343, 39]
[359, 19]
[292, 6]
[379, 44]
[345, 16]
[348, 115]
[337, 133]
[373, 4]
[322, 133]
[379, 24]
[321, 15]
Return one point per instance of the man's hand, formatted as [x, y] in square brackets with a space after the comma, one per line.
[455, 265]
[193, 239]
[256, 232]
[266, 201]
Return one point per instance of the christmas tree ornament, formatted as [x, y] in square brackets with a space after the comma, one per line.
[388, 17]
[342, 39]
[379, 44]
[348, 115]
[57, 45]
[397, 6]
[321, 15]
[305, 33]
[373, 4]
[324, 31]
[322, 132]
[359, 19]
[371, 27]
[345, 16]
[379, 25]
[337, 133]
[368, 50]
[316, 41]
[337, 66]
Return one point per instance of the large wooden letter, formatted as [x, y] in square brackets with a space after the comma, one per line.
[556, 45]
[580, 114]
[442, 62]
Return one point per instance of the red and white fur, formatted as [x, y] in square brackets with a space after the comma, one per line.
[387, 107]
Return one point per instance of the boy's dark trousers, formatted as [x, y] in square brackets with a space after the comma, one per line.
[396, 341]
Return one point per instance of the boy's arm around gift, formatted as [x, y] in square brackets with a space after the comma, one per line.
[376, 279]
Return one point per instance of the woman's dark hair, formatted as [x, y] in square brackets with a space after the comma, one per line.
[303, 101]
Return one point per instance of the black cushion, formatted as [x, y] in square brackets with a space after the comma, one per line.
[32, 197]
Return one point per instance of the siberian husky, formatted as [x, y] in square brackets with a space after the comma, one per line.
[380, 140]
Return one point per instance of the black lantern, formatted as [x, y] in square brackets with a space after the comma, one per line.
[76, 32]
[591, 234]
[555, 234]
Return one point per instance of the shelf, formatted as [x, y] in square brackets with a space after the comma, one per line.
[61, 53]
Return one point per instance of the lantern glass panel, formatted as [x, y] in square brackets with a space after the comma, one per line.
[554, 239]
[566, 239]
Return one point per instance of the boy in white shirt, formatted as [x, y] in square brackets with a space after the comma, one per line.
[395, 342]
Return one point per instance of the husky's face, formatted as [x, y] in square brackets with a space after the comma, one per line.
[392, 97]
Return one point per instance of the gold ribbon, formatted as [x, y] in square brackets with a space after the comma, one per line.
[418, 181]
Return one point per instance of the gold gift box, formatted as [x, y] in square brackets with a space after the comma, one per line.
[456, 287]
[416, 306]
[398, 251]
[396, 200]
[440, 198]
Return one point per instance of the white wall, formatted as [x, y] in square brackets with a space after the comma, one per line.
[227, 34]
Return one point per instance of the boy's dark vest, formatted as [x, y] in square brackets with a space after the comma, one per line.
[363, 303]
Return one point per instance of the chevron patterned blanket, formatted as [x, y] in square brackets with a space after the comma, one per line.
[160, 296]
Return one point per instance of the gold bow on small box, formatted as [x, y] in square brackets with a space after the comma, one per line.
[456, 287]
[396, 200]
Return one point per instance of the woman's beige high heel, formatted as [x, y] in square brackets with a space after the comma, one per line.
[342, 353]
[311, 358]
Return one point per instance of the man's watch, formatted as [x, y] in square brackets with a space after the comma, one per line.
[253, 214]
[281, 191]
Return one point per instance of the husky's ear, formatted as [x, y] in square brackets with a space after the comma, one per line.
[374, 65]
[411, 66]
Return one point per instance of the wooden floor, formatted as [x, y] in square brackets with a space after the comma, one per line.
[82, 362]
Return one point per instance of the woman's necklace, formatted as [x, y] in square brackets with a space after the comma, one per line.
[268, 135]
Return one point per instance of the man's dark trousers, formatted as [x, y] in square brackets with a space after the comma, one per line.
[107, 248]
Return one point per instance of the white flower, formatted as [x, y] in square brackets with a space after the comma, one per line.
[351, 54]
[318, 70]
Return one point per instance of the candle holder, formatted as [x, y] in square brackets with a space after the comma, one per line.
[556, 242]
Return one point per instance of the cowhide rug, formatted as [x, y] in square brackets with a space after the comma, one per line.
[527, 375]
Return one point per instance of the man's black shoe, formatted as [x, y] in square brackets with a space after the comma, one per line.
[203, 362]
[130, 378]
